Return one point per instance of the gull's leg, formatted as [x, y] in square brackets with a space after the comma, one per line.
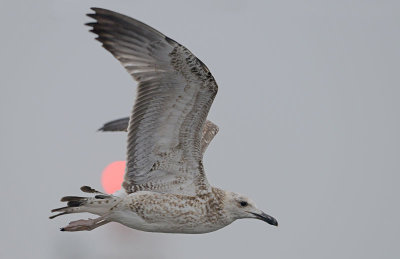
[85, 224]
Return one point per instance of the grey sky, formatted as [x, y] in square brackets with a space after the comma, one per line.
[308, 110]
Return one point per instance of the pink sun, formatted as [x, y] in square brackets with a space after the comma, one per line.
[113, 176]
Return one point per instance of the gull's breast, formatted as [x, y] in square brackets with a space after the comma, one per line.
[169, 213]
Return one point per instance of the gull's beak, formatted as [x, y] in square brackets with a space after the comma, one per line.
[267, 218]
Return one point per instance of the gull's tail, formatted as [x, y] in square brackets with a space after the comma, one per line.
[101, 204]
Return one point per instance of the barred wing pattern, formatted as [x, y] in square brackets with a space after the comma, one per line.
[175, 93]
[208, 133]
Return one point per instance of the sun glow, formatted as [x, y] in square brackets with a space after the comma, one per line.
[113, 176]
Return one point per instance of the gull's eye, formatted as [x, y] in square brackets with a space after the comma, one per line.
[243, 203]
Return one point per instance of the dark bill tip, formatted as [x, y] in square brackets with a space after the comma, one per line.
[267, 218]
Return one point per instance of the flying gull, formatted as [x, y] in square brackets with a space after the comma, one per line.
[165, 188]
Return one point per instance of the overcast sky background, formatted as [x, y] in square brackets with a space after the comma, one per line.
[308, 109]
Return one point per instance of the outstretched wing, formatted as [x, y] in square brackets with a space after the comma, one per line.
[208, 133]
[175, 93]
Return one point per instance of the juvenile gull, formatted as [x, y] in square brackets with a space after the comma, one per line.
[165, 188]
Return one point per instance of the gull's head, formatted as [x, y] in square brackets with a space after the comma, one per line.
[240, 206]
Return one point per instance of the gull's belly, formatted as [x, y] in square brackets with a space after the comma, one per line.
[153, 212]
[166, 225]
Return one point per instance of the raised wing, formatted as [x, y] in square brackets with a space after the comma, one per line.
[208, 133]
[175, 93]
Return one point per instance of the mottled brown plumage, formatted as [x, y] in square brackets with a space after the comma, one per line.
[165, 188]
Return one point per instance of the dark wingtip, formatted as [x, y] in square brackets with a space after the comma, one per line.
[88, 189]
[99, 10]
[91, 24]
[59, 214]
[74, 203]
[101, 196]
[58, 209]
[62, 229]
[275, 223]
[95, 9]
[91, 15]
[72, 198]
